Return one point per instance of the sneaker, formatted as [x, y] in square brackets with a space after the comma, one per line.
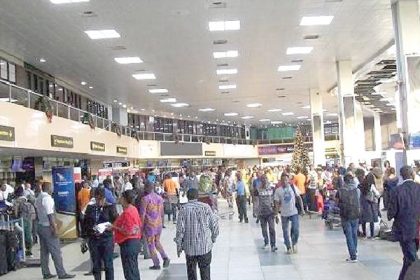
[246, 221]
[257, 221]
[67, 276]
[294, 249]
[49, 276]
[155, 267]
[88, 273]
[273, 249]
[265, 245]
[289, 251]
[166, 262]
[351, 261]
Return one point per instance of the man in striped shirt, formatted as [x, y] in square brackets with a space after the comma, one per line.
[196, 231]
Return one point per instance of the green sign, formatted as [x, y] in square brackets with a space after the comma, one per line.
[61, 141]
[7, 133]
[97, 146]
[121, 150]
[210, 153]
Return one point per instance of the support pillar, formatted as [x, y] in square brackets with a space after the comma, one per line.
[120, 115]
[377, 132]
[317, 127]
[405, 14]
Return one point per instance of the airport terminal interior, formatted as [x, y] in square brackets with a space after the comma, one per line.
[210, 139]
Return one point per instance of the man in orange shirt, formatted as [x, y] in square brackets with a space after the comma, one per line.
[299, 180]
[171, 190]
[83, 196]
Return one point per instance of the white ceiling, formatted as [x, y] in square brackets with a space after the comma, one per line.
[173, 40]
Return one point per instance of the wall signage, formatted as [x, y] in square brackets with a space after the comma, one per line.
[7, 133]
[61, 141]
[116, 164]
[121, 150]
[210, 153]
[97, 146]
[279, 149]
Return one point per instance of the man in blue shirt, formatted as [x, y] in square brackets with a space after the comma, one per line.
[241, 198]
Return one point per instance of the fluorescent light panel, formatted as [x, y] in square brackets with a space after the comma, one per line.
[158, 90]
[276, 122]
[230, 114]
[144, 76]
[265, 120]
[224, 25]
[168, 100]
[227, 87]
[247, 117]
[302, 117]
[284, 68]
[288, 114]
[254, 105]
[299, 50]
[102, 34]
[226, 54]
[275, 110]
[179, 105]
[317, 20]
[206, 110]
[227, 71]
[128, 60]
[67, 1]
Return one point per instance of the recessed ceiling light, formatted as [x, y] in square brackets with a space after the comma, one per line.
[124, 106]
[227, 87]
[275, 110]
[265, 120]
[227, 71]
[306, 107]
[299, 50]
[284, 68]
[247, 117]
[102, 34]
[254, 105]
[120, 103]
[142, 109]
[318, 20]
[224, 25]
[226, 54]
[179, 105]
[83, 83]
[168, 100]
[158, 90]
[206, 110]
[128, 60]
[91, 87]
[302, 117]
[144, 76]
[276, 122]
[230, 114]
[42, 60]
[115, 100]
[288, 114]
[67, 1]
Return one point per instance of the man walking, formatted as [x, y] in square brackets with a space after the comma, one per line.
[47, 231]
[349, 203]
[241, 198]
[404, 208]
[196, 231]
[267, 212]
[285, 199]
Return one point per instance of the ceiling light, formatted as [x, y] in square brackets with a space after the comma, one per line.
[67, 1]
[158, 90]
[42, 60]
[302, 117]
[115, 100]
[91, 87]
[144, 76]
[206, 110]
[265, 120]
[224, 25]
[288, 114]
[128, 60]
[299, 50]
[306, 107]
[332, 115]
[276, 122]
[254, 105]
[179, 105]
[225, 54]
[120, 103]
[227, 87]
[275, 110]
[124, 106]
[227, 71]
[230, 114]
[247, 117]
[284, 68]
[102, 34]
[168, 100]
[319, 20]
[83, 83]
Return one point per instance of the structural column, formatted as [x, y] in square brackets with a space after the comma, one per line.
[317, 127]
[347, 115]
[405, 14]
[120, 115]
[377, 132]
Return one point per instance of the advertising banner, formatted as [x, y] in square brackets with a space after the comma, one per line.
[280, 149]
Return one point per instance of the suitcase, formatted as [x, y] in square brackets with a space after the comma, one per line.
[12, 242]
[3, 255]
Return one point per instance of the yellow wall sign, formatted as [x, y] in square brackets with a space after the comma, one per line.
[210, 153]
[7, 133]
[121, 150]
[97, 146]
[61, 141]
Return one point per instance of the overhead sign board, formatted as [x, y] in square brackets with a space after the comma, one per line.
[122, 150]
[61, 141]
[7, 133]
[210, 153]
[97, 146]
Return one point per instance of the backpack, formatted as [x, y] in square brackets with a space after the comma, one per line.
[349, 204]
[28, 211]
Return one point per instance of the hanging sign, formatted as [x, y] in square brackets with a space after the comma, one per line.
[121, 150]
[7, 133]
[97, 146]
[61, 141]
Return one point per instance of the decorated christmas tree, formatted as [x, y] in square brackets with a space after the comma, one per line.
[300, 153]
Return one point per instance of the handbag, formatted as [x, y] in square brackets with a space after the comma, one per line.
[297, 199]
[370, 196]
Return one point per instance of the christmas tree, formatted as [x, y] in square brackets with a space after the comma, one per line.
[300, 157]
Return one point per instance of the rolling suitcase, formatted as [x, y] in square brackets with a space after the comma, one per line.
[3, 255]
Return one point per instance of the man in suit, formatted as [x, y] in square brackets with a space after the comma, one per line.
[404, 208]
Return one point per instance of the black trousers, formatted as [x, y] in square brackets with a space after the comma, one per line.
[203, 262]
[101, 251]
[129, 258]
[241, 203]
[268, 221]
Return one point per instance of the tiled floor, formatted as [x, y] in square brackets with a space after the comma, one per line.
[238, 256]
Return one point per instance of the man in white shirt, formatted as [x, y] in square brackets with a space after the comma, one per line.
[127, 185]
[28, 191]
[95, 182]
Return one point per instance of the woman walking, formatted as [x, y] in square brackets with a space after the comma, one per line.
[369, 203]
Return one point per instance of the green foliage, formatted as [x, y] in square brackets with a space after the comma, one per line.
[300, 154]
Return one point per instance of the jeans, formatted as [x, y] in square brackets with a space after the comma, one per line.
[153, 243]
[241, 202]
[129, 258]
[409, 250]
[305, 201]
[50, 244]
[294, 231]
[101, 251]
[350, 231]
[268, 220]
[372, 229]
[27, 229]
[203, 261]
[174, 209]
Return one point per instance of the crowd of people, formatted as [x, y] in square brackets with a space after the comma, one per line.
[130, 211]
